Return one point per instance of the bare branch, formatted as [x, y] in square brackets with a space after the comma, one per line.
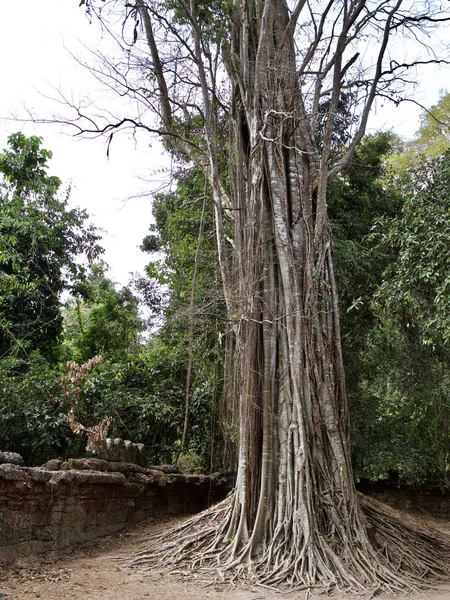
[158, 68]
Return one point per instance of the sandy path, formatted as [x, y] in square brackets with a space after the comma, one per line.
[91, 573]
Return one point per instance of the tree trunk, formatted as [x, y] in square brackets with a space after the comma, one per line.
[191, 329]
[295, 505]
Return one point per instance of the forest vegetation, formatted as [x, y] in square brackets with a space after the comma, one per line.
[391, 245]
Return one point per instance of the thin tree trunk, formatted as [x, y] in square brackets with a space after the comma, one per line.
[191, 316]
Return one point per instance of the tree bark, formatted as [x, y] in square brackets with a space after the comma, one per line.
[295, 506]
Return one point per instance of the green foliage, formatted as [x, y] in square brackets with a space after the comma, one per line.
[343, 121]
[210, 15]
[24, 166]
[431, 140]
[140, 384]
[41, 242]
[161, 372]
[106, 323]
[406, 358]
[391, 239]
[33, 419]
[402, 410]
[175, 234]
[356, 200]
[416, 286]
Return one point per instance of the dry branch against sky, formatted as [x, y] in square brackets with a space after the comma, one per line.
[36, 63]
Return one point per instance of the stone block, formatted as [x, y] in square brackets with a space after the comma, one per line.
[52, 465]
[89, 477]
[168, 469]
[11, 472]
[139, 478]
[119, 450]
[11, 458]
[131, 452]
[38, 475]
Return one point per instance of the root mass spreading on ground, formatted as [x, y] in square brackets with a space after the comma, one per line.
[401, 556]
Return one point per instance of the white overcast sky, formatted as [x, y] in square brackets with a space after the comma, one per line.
[34, 64]
[34, 37]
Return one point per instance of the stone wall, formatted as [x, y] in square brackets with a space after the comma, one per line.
[432, 498]
[61, 504]
[117, 449]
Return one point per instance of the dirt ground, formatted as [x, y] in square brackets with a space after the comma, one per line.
[93, 573]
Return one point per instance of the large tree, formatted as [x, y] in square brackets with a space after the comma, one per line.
[249, 91]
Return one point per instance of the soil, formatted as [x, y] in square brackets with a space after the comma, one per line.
[92, 572]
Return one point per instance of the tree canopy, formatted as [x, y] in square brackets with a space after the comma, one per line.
[42, 243]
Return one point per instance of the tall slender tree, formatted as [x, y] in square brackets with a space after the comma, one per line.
[269, 76]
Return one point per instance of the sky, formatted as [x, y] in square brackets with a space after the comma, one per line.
[36, 48]
[35, 65]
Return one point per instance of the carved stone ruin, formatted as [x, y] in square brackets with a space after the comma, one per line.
[11, 458]
[119, 450]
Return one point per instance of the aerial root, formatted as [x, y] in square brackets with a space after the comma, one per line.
[396, 556]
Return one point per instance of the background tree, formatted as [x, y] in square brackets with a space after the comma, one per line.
[107, 322]
[136, 383]
[140, 383]
[431, 140]
[44, 248]
[412, 301]
[33, 421]
[183, 240]
[396, 380]
[41, 243]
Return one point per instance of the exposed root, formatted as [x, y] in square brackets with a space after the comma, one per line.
[398, 557]
[419, 552]
[184, 544]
